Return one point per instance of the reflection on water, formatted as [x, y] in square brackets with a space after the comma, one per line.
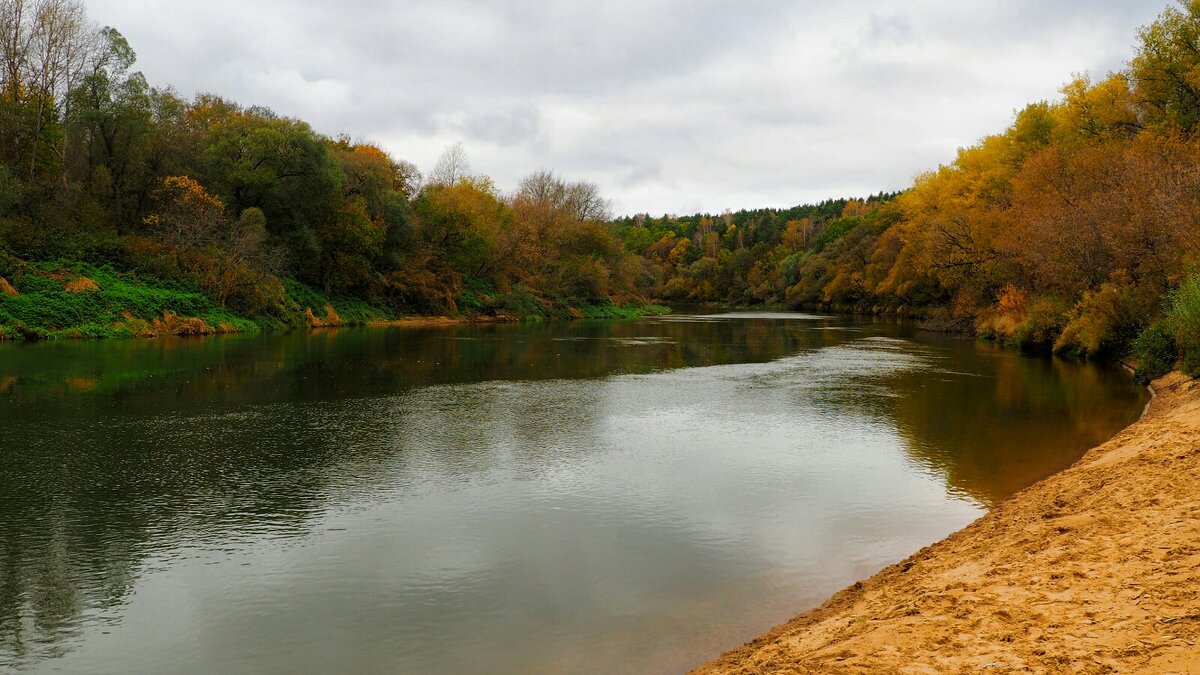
[496, 498]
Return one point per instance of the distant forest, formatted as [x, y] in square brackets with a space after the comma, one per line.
[126, 209]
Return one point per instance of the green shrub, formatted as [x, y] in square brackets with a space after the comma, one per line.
[1104, 323]
[520, 302]
[1042, 324]
[1155, 351]
[352, 311]
[477, 296]
[1183, 316]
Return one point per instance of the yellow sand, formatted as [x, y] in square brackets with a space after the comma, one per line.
[1093, 570]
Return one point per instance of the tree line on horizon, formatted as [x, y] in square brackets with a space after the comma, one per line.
[1074, 230]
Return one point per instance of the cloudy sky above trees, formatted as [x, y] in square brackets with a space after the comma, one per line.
[668, 105]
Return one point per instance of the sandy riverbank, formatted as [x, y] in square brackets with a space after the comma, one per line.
[1093, 570]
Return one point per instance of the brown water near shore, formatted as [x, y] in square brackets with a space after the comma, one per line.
[1093, 570]
[628, 496]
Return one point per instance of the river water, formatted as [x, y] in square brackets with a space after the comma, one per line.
[630, 496]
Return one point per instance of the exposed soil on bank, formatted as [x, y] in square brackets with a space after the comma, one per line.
[1093, 570]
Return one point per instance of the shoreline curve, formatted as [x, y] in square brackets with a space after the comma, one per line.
[1095, 569]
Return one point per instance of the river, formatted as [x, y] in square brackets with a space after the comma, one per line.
[621, 496]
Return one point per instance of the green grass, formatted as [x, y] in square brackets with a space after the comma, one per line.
[608, 310]
[46, 310]
[126, 304]
[353, 311]
[563, 308]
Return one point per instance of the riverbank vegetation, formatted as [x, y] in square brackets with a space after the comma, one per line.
[1075, 230]
[235, 217]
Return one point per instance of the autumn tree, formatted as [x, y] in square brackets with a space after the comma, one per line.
[185, 214]
[1166, 70]
[462, 222]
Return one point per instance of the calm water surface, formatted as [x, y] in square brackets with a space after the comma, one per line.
[572, 497]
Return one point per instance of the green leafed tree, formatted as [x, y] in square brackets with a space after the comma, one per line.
[1166, 70]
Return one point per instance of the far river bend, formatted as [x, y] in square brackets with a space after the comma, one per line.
[588, 496]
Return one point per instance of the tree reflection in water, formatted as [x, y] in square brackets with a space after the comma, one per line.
[122, 458]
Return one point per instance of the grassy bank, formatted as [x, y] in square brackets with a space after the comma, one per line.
[62, 300]
[77, 300]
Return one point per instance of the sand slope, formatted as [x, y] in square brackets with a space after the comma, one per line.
[1094, 570]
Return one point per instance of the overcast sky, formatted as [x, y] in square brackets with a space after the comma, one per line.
[670, 106]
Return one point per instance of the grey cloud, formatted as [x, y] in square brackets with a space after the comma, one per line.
[504, 126]
[891, 27]
[666, 104]
[641, 172]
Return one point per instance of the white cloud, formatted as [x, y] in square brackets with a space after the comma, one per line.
[669, 105]
[290, 91]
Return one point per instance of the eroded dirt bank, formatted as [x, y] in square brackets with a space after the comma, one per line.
[1094, 570]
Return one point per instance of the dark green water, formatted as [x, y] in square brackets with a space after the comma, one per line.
[572, 497]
